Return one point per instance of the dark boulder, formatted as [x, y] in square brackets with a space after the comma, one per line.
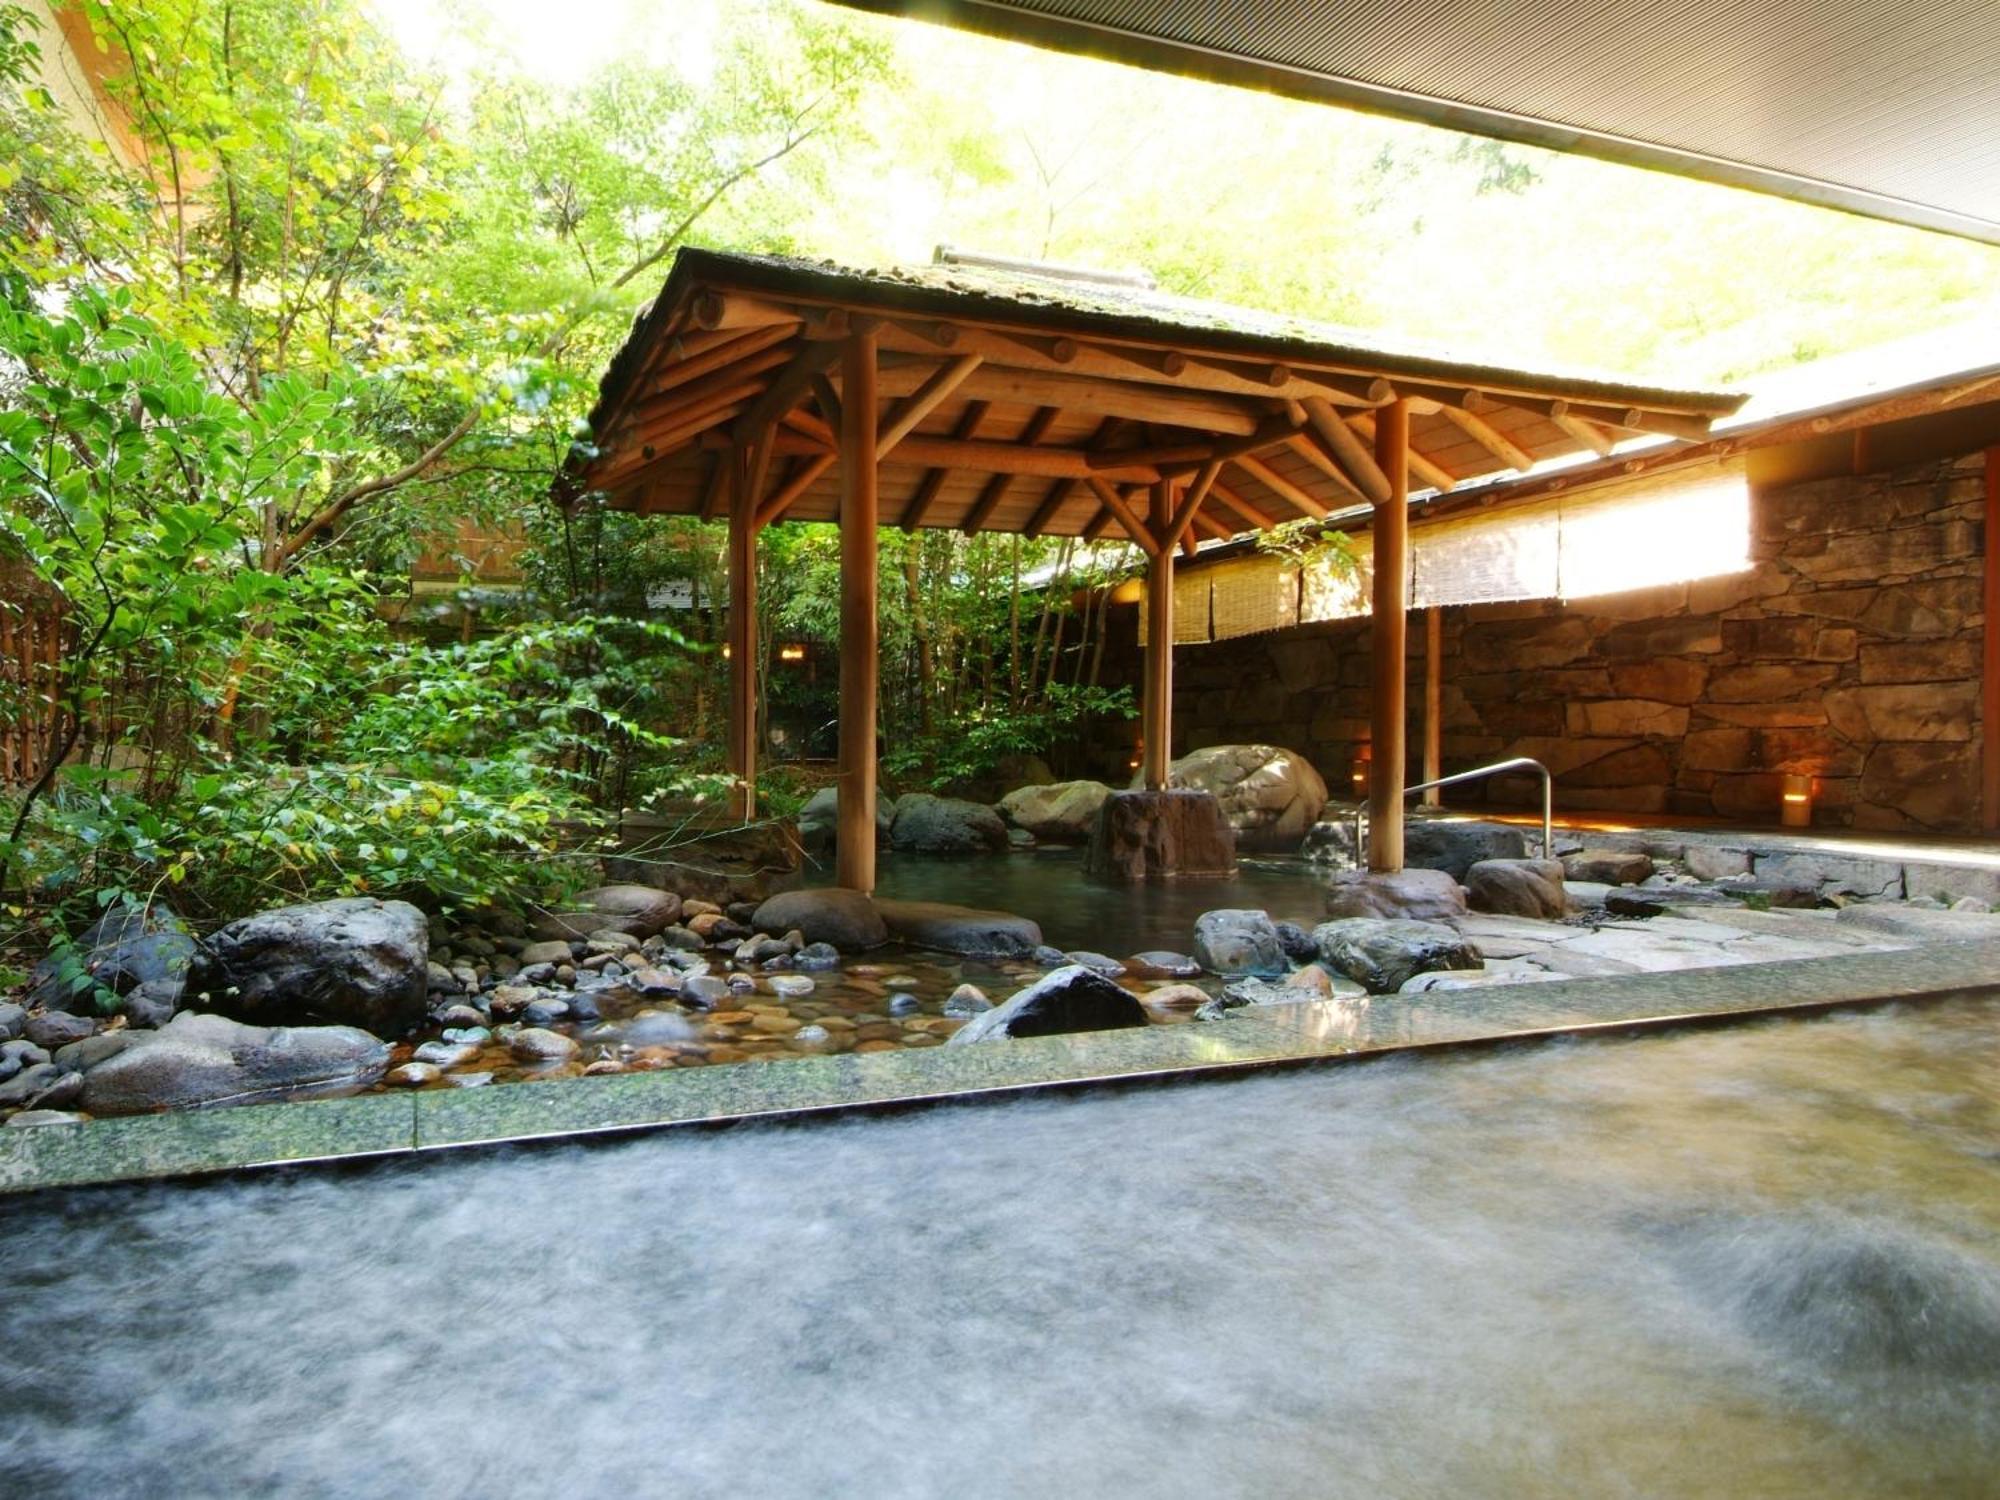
[355, 962]
[946, 825]
[1235, 941]
[1517, 888]
[960, 929]
[1071, 998]
[845, 919]
[197, 1060]
[127, 947]
[1153, 835]
[1382, 955]
[1436, 844]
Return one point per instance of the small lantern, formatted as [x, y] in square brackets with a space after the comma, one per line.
[791, 653]
[1796, 801]
[1358, 773]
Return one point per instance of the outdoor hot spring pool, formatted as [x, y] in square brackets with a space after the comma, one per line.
[1755, 1261]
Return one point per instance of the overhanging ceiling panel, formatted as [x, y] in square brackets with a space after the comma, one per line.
[1883, 107]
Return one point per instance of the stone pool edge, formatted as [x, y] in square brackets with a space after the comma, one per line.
[193, 1143]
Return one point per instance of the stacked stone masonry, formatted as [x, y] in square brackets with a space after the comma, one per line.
[1848, 651]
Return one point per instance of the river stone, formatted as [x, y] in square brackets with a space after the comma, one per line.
[959, 929]
[1381, 955]
[536, 1044]
[1438, 844]
[1097, 963]
[967, 1000]
[1176, 997]
[125, 948]
[27, 1119]
[1158, 963]
[946, 825]
[1062, 812]
[1607, 866]
[1070, 999]
[1270, 795]
[1408, 895]
[549, 951]
[636, 910]
[58, 1029]
[1234, 941]
[13, 1021]
[819, 819]
[355, 962]
[1331, 842]
[413, 1075]
[845, 919]
[1517, 888]
[1145, 835]
[87, 1052]
[199, 1059]
[1296, 941]
[27, 1088]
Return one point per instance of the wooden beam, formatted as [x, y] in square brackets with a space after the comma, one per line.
[996, 487]
[1126, 517]
[805, 474]
[828, 401]
[1250, 513]
[1431, 473]
[1390, 536]
[742, 631]
[789, 388]
[1484, 433]
[1433, 702]
[1271, 433]
[1052, 503]
[712, 310]
[929, 487]
[739, 347]
[1011, 458]
[860, 645]
[1157, 702]
[1214, 530]
[1348, 451]
[1989, 677]
[1098, 395]
[926, 399]
[1593, 437]
[715, 489]
[1314, 451]
[1272, 480]
[1191, 502]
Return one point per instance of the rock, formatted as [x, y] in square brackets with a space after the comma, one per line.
[358, 962]
[656, 1030]
[1270, 796]
[468, 1080]
[1148, 835]
[17, 1055]
[817, 956]
[1296, 941]
[681, 940]
[1233, 941]
[946, 825]
[1176, 997]
[1097, 963]
[636, 910]
[545, 1010]
[1331, 841]
[610, 942]
[413, 1075]
[58, 1029]
[25, 1088]
[1381, 954]
[844, 919]
[653, 984]
[152, 1004]
[1517, 888]
[447, 1054]
[469, 1036]
[959, 929]
[967, 1000]
[792, 986]
[27, 1119]
[1156, 963]
[816, 1038]
[198, 1059]
[13, 1021]
[762, 949]
[440, 979]
[126, 947]
[1411, 895]
[1454, 847]
[535, 1044]
[87, 1052]
[819, 819]
[1063, 812]
[704, 990]
[905, 1005]
[509, 1000]
[1708, 862]
[1068, 1000]
[551, 951]
[1607, 866]
[1047, 958]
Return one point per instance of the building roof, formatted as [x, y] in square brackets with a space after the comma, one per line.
[1876, 106]
[1023, 392]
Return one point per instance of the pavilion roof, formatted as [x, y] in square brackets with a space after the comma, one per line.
[1014, 397]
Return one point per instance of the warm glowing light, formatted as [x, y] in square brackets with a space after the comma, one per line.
[725, 651]
[1795, 802]
[791, 653]
[1358, 773]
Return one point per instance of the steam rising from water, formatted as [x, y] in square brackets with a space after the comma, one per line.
[1756, 1261]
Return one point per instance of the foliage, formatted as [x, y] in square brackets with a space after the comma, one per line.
[979, 742]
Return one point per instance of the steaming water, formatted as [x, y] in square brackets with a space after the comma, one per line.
[1763, 1261]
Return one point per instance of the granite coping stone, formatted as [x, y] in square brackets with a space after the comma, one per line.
[1309, 1031]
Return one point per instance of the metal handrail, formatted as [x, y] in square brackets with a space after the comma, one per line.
[1518, 763]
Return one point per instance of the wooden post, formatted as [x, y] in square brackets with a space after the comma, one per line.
[1433, 703]
[1157, 705]
[742, 635]
[854, 863]
[1989, 679]
[1391, 533]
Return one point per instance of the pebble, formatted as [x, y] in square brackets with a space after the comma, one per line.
[565, 973]
[816, 1037]
[460, 1016]
[966, 1000]
[697, 908]
[545, 1010]
[920, 1039]
[778, 1024]
[649, 981]
[446, 1054]
[29, 1118]
[817, 956]
[602, 1066]
[1159, 964]
[791, 984]
[610, 940]
[1099, 963]
[438, 977]
[1176, 997]
[58, 1029]
[743, 984]
[534, 1044]
[902, 981]
[552, 952]
[468, 1080]
[473, 1036]
[413, 1075]
[704, 990]
[905, 1005]
[511, 999]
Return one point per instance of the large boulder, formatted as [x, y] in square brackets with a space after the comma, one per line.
[1608, 866]
[1063, 812]
[127, 947]
[1148, 835]
[1333, 840]
[819, 819]
[353, 962]
[946, 825]
[1517, 888]
[1072, 998]
[637, 910]
[1418, 895]
[1236, 941]
[200, 1059]
[1270, 795]
[1454, 847]
[845, 919]
[960, 929]
[1382, 955]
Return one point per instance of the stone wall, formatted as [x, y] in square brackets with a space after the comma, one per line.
[1849, 651]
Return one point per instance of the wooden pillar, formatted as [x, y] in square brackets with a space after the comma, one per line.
[854, 862]
[1989, 677]
[742, 636]
[1391, 534]
[1156, 714]
[1433, 703]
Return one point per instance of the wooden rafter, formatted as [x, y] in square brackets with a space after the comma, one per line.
[996, 487]
[1254, 517]
[1011, 458]
[1282, 487]
[1348, 451]
[926, 399]
[1202, 410]
[1489, 437]
[804, 475]
[1126, 517]
[1434, 474]
[1191, 502]
[929, 487]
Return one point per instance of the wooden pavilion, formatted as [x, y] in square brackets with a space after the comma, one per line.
[987, 395]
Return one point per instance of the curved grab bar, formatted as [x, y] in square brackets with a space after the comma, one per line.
[1517, 763]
